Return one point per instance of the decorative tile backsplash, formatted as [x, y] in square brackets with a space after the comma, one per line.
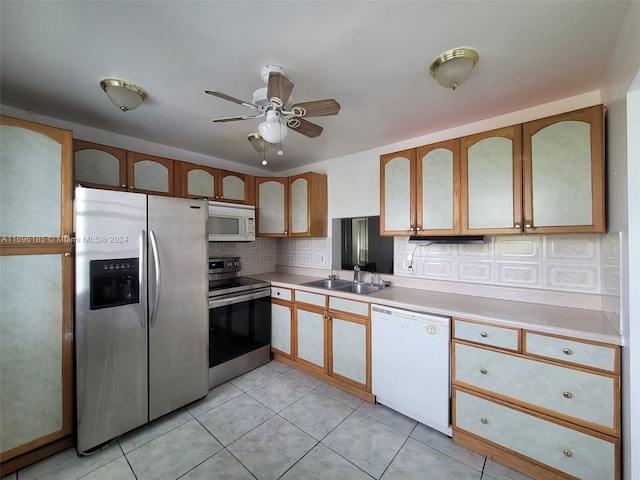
[306, 252]
[256, 257]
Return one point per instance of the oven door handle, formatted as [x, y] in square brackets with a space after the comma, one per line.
[223, 302]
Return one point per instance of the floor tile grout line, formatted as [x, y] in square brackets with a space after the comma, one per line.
[394, 457]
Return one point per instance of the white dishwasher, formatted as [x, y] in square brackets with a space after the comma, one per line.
[411, 367]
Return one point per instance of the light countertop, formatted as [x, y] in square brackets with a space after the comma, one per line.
[571, 322]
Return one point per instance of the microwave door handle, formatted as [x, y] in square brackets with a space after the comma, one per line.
[142, 276]
[156, 262]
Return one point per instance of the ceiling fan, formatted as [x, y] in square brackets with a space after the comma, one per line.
[273, 103]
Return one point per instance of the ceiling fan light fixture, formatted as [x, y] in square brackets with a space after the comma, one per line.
[454, 66]
[272, 130]
[124, 95]
[257, 142]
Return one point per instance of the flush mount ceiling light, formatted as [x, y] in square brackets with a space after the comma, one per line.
[272, 130]
[124, 95]
[453, 67]
[257, 142]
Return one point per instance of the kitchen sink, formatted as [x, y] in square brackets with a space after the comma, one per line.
[344, 286]
[331, 284]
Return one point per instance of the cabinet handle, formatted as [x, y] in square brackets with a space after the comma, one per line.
[131, 187]
[567, 453]
[67, 254]
[527, 225]
[567, 395]
[484, 421]
[484, 334]
[124, 185]
[567, 351]
[517, 225]
[418, 229]
[483, 371]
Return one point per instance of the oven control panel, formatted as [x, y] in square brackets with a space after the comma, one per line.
[224, 264]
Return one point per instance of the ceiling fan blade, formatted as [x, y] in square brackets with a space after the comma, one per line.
[233, 119]
[304, 127]
[318, 108]
[224, 96]
[279, 86]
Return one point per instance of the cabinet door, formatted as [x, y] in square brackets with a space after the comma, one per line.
[308, 205]
[492, 182]
[564, 173]
[398, 193]
[438, 188]
[271, 203]
[99, 166]
[197, 180]
[36, 288]
[299, 204]
[350, 355]
[281, 325]
[234, 187]
[150, 174]
[310, 337]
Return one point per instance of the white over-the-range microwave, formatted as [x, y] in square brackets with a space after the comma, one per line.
[231, 223]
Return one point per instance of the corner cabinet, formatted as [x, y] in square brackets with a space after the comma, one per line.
[564, 173]
[36, 288]
[544, 176]
[197, 181]
[292, 207]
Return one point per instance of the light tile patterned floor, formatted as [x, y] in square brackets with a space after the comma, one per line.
[271, 423]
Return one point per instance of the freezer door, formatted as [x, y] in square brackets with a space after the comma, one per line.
[178, 303]
[110, 341]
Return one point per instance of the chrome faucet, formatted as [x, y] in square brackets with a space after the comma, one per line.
[356, 274]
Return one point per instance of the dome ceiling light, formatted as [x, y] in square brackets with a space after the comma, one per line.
[124, 95]
[453, 67]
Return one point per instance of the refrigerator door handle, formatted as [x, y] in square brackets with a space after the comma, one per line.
[156, 261]
[142, 275]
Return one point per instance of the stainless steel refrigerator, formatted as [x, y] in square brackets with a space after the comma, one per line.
[141, 316]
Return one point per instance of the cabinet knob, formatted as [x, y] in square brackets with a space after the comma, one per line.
[527, 225]
[567, 395]
[124, 185]
[418, 229]
[286, 233]
[484, 334]
[567, 351]
[484, 421]
[517, 225]
[567, 453]
[67, 254]
[131, 187]
[483, 371]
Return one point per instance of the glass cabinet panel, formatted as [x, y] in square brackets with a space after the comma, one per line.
[233, 188]
[271, 212]
[30, 183]
[200, 183]
[31, 344]
[490, 183]
[310, 337]
[438, 190]
[150, 175]
[397, 194]
[299, 205]
[349, 349]
[561, 174]
[96, 166]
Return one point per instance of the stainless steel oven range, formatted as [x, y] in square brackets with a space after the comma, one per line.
[239, 321]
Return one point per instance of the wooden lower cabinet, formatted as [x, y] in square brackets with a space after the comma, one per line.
[545, 405]
[330, 338]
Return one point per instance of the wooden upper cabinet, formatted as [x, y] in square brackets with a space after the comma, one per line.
[99, 166]
[564, 173]
[197, 181]
[150, 174]
[308, 205]
[438, 188]
[272, 200]
[292, 207]
[491, 175]
[398, 193]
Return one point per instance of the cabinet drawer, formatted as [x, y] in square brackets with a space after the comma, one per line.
[349, 306]
[311, 298]
[568, 450]
[603, 357]
[501, 337]
[590, 397]
[281, 293]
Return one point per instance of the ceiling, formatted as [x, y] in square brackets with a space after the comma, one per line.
[372, 57]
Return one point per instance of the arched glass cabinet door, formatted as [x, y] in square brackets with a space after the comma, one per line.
[398, 193]
[271, 207]
[150, 174]
[564, 173]
[99, 166]
[491, 173]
